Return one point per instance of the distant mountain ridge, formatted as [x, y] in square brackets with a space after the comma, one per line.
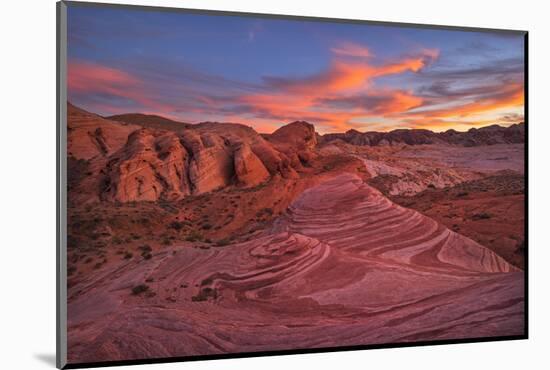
[488, 135]
[149, 121]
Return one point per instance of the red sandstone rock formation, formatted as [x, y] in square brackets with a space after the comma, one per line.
[89, 135]
[250, 171]
[149, 167]
[344, 266]
[297, 140]
[169, 160]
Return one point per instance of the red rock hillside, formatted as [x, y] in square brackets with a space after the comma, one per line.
[133, 158]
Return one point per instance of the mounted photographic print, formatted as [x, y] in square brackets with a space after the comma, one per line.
[235, 184]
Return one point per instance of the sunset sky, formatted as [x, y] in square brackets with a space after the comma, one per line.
[266, 72]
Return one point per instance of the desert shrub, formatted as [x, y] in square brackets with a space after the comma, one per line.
[520, 249]
[145, 248]
[204, 294]
[222, 242]
[128, 255]
[100, 244]
[481, 216]
[264, 211]
[206, 226]
[71, 270]
[194, 236]
[116, 240]
[141, 288]
[176, 225]
[462, 194]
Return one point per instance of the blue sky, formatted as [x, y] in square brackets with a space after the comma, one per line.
[268, 72]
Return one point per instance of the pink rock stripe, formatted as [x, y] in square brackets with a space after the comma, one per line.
[344, 266]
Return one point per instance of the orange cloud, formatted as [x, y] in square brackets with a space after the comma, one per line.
[345, 75]
[86, 76]
[510, 96]
[400, 101]
[300, 98]
[92, 78]
[334, 98]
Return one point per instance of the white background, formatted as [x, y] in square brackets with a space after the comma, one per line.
[27, 183]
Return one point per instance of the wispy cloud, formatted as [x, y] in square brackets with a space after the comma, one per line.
[352, 50]
[101, 83]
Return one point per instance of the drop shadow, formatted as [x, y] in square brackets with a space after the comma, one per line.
[47, 358]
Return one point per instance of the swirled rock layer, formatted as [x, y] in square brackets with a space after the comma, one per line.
[344, 266]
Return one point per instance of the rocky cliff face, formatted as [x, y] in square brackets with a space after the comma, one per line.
[150, 166]
[249, 169]
[89, 135]
[489, 135]
[297, 140]
[147, 158]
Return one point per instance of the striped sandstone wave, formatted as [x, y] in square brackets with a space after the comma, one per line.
[344, 266]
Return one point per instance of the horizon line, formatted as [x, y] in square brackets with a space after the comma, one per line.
[499, 124]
